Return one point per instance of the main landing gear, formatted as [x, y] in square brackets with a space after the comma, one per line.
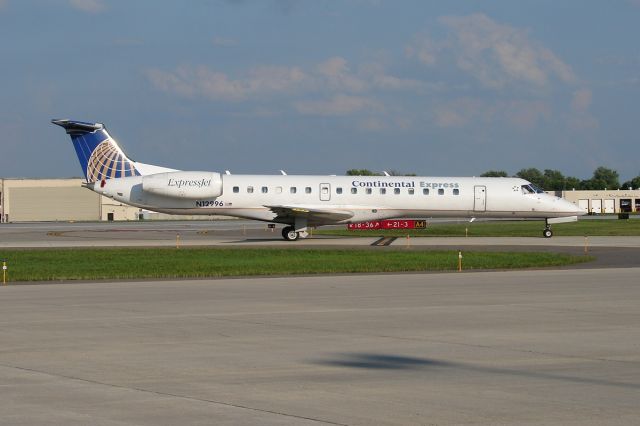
[290, 234]
[547, 233]
[296, 231]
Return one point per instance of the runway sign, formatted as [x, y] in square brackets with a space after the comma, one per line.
[388, 224]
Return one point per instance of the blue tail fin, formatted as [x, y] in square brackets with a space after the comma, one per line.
[100, 156]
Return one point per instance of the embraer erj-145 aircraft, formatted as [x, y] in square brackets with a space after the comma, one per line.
[303, 201]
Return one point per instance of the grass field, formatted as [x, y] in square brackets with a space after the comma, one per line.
[117, 263]
[582, 228]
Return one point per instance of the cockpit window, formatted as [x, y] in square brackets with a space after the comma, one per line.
[531, 189]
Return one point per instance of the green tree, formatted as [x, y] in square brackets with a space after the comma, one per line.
[398, 173]
[361, 172]
[571, 183]
[494, 173]
[533, 175]
[553, 180]
[633, 183]
[603, 178]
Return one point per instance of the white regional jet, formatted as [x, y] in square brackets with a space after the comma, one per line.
[303, 201]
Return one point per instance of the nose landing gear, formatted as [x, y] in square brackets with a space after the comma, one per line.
[547, 233]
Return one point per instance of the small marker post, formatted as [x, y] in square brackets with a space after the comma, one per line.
[4, 271]
[177, 241]
[459, 261]
[466, 232]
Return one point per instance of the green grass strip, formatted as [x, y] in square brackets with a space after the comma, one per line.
[129, 263]
[586, 227]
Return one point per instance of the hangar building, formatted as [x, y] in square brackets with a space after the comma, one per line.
[34, 200]
[605, 201]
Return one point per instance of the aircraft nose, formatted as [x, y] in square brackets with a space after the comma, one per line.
[579, 211]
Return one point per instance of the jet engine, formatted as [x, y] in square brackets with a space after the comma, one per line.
[195, 185]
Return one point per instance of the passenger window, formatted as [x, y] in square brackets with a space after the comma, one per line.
[354, 190]
[236, 189]
[456, 192]
[293, 190]
[264, 189]
[440, 191]
[338, 190]
[383, 190]
[307, 190]
[425, 191]
[411, 191]
[396, 191]
[250, 189]
[369, 190]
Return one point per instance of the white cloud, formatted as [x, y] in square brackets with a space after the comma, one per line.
[223, 42]
[495, 54]
[371, 124]
[377, 78]
[90, 6]
[581, 118]
[519, 114]
[201, 81]
[581, 100]
[332, 76]
[338, 105]
[425, 50]
[338, 76]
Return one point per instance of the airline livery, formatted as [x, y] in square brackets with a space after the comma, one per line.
[302, 201]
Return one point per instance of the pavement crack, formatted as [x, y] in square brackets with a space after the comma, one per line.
[170, 395]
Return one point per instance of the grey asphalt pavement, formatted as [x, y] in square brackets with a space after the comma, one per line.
[512, 348]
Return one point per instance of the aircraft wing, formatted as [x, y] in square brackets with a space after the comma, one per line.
[313, 214]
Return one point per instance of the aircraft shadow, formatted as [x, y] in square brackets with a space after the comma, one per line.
[372, 361]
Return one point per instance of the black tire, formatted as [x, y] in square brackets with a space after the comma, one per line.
[289, 234]
[547, 233]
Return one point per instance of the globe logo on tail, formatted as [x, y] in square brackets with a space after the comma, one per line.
[107, 161]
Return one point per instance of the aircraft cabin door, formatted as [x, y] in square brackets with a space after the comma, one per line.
[325, 192]
[480, 198]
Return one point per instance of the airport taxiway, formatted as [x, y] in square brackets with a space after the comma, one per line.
[516, 348]
[243, 233]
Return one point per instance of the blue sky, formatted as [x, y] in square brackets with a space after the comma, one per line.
[429, 87]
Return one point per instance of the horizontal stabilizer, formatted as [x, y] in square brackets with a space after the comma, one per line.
[78, 127]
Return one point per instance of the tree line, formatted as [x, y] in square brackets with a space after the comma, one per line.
[549, 180]
[554, 180]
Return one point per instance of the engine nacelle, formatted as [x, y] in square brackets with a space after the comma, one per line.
[196, 185]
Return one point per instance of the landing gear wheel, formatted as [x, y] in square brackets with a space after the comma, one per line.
[289, 234]
[547, 233]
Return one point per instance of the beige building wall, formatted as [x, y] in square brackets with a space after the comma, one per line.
[604, 201]
[113, 210]
[46, 200]
[32, 200]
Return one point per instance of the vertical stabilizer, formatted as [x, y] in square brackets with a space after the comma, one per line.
[99, 154]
